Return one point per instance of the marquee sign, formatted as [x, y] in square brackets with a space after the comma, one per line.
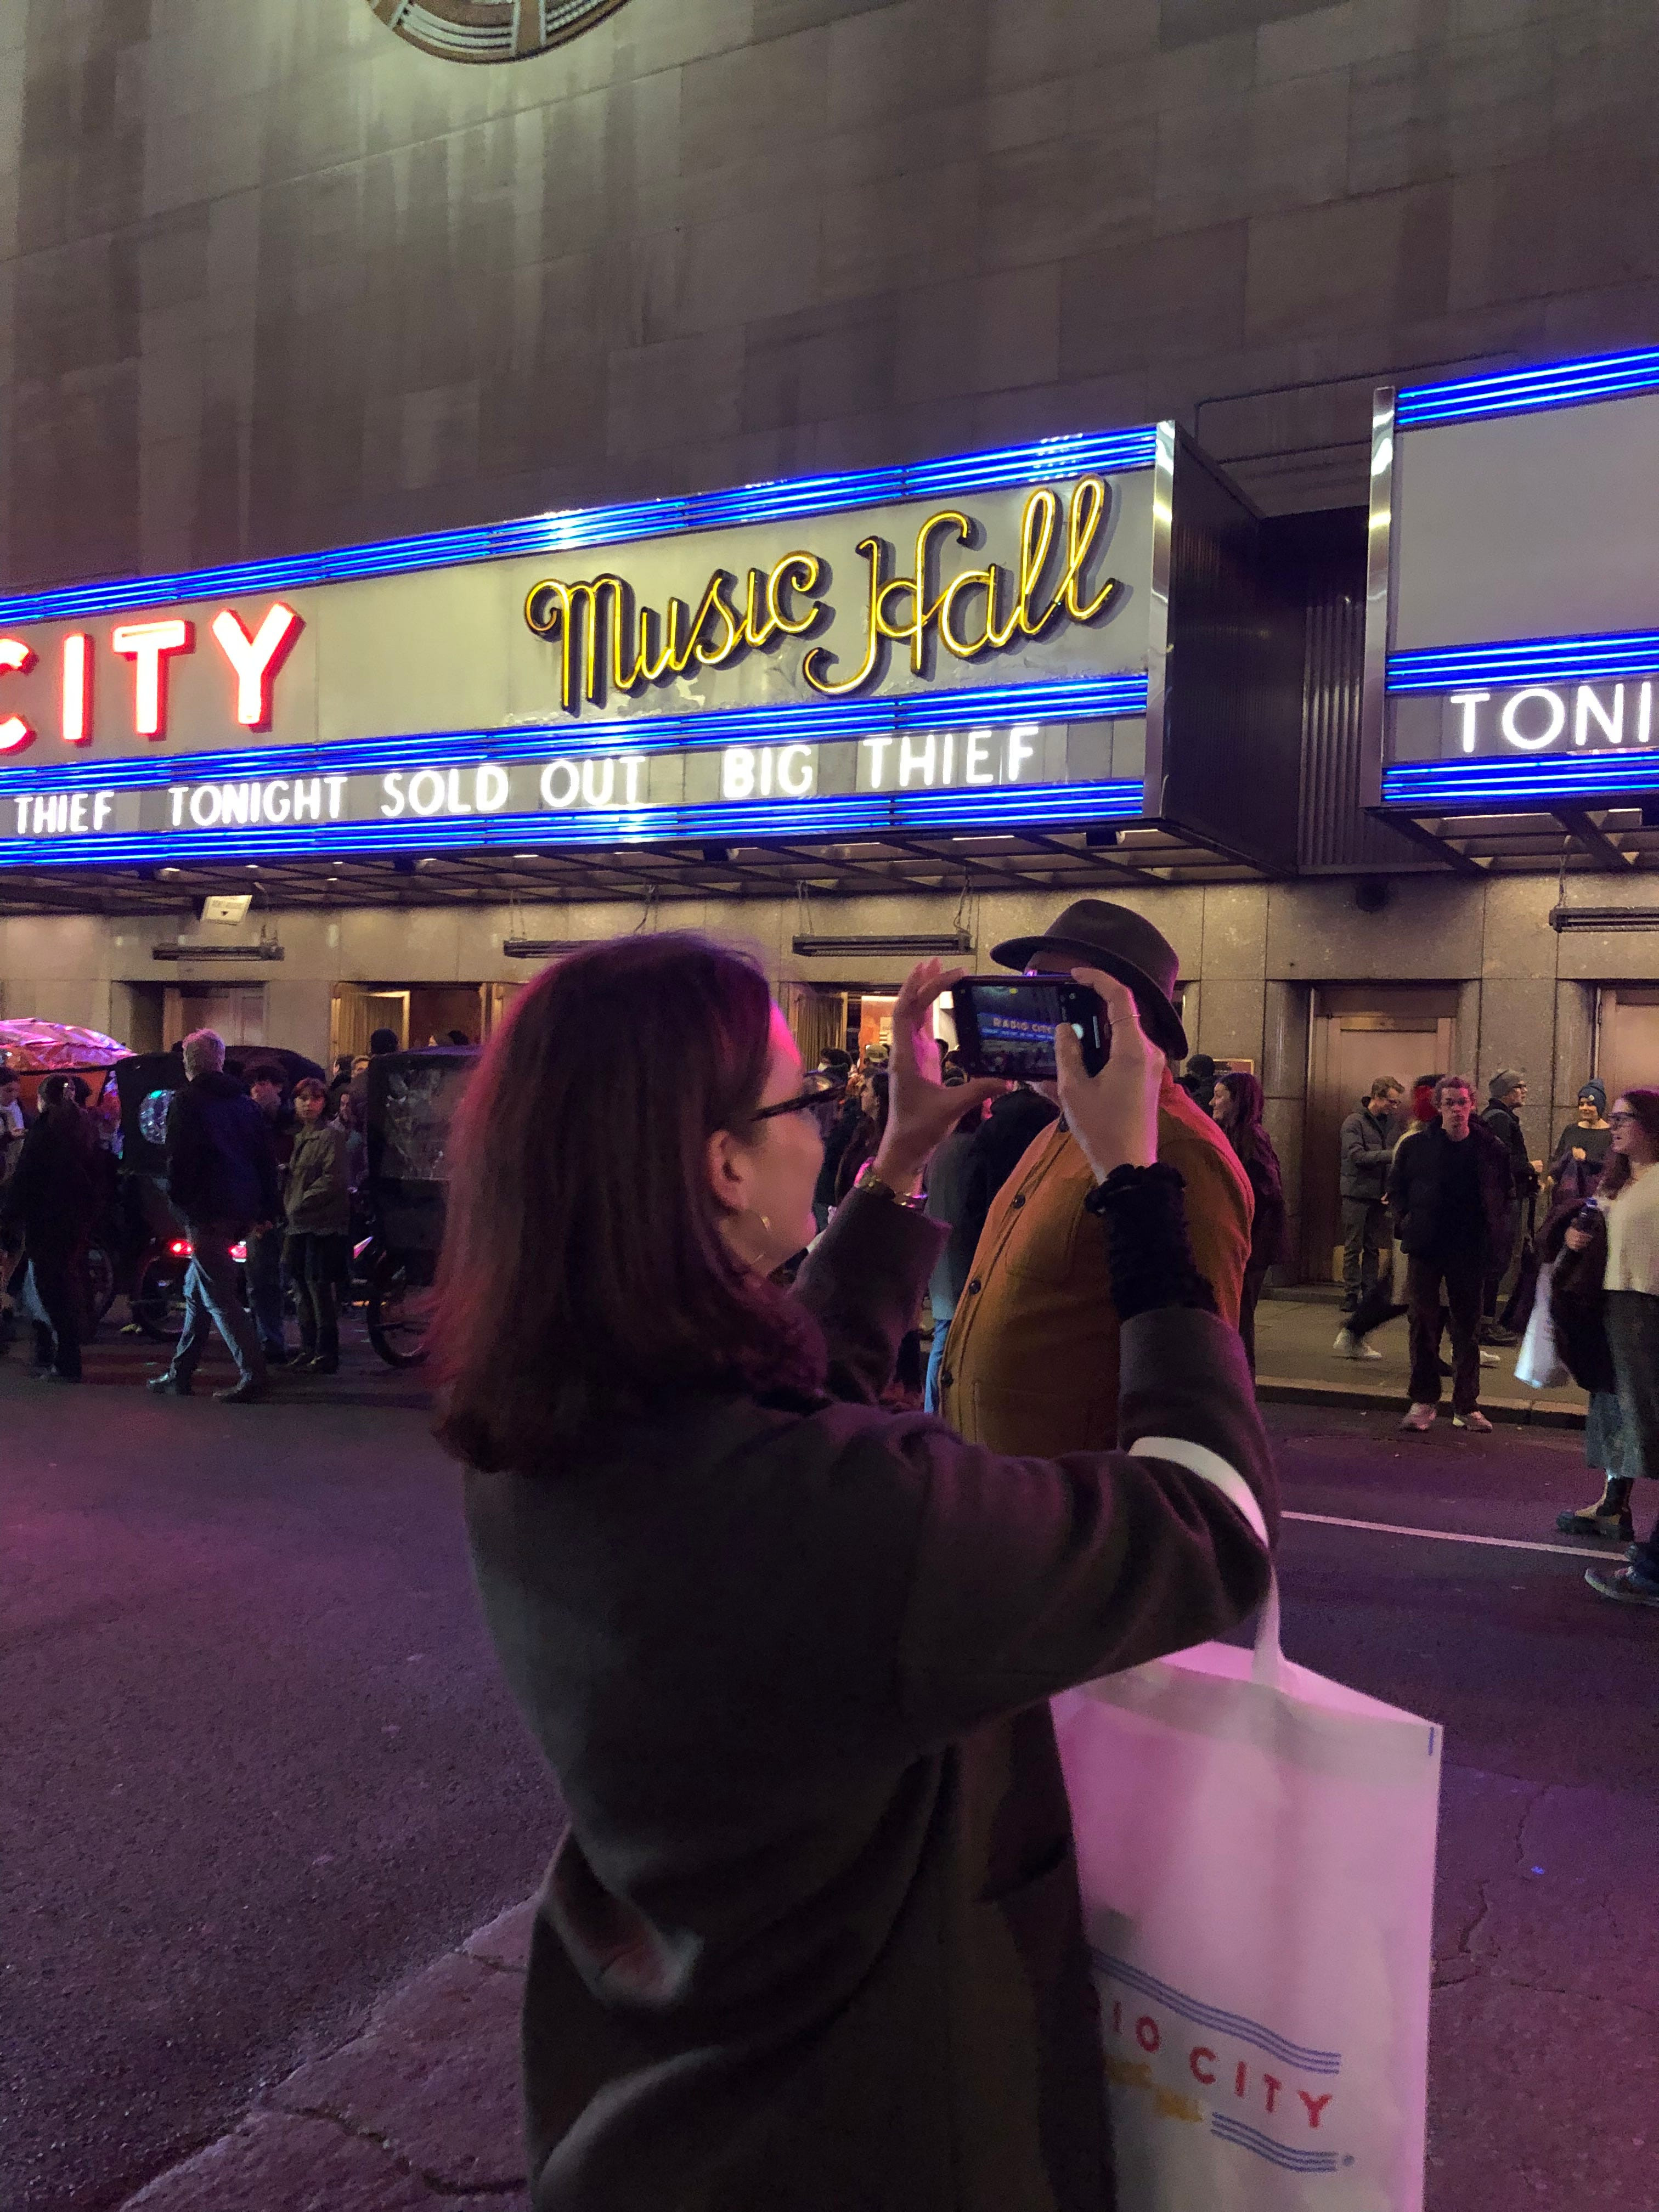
[1512, 660]
[973, 640]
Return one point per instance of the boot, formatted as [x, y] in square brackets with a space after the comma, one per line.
[1609, 1516]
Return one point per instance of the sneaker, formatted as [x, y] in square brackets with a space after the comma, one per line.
[1420, 1418]
[1349, 1346]
[169, 1385]
[241, 1394]
[51, 1375]
[1489, 1358]
[1491, 1332]
[1623, 1584]
[1476, 1422]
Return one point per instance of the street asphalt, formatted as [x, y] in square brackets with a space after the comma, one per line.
[260, 1768]
[258, 1764]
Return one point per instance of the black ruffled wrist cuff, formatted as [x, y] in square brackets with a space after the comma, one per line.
[1147, 1248]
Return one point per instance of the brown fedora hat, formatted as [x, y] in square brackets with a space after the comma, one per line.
[1092, 933]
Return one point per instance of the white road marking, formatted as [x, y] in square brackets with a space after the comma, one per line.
[1455, 1536]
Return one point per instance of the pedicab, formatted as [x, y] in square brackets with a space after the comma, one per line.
[412, 1098]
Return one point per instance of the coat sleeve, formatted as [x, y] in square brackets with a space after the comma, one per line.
[1031, 1575]
[183, 1152]
[862, 1283]
[1219, 1216]
[1354, 1151]
[1397, 1191]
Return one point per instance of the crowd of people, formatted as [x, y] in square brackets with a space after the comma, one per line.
[1454, 1193]
[257, 1166]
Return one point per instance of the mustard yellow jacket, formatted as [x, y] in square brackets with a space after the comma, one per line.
[1031, 1363]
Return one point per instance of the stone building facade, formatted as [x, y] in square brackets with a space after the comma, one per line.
[272, 278]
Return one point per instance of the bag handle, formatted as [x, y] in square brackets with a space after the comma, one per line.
[1268, 1661]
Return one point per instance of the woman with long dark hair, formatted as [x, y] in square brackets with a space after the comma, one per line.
[1629, 1198]
[813, 1939]
[1236, 1106]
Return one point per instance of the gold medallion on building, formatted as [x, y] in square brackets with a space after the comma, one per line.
[489, 30]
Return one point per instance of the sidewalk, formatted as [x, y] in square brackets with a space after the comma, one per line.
[1295, 1366]
[419, 2112]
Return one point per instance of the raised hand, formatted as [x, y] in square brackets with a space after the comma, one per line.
[1114, 1114]
[920, 1109]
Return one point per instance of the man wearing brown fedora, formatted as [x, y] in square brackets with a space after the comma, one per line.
[1031, 1363]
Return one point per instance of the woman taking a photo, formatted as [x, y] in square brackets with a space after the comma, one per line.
[813, 1939]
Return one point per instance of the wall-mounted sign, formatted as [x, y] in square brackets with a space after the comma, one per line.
[819, 654]
[1010, 586]
[979, 642]
[1512, 619]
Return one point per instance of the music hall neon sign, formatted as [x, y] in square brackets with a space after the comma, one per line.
[253, 660]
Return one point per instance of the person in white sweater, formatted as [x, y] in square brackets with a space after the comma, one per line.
[1629, 1196]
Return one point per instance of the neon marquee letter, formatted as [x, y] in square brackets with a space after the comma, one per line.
[77, 689]
[255, 658]
[147, 644]
[15, 658]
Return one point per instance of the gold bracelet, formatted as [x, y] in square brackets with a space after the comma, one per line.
[879, 1186]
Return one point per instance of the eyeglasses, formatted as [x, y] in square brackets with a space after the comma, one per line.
[823, 1090]
[1618, 1120]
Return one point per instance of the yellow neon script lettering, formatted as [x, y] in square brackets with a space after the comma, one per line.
[604, 640]
[875, 552]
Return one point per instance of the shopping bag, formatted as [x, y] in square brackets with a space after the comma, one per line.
[1539, 1364]
[1255, 1849]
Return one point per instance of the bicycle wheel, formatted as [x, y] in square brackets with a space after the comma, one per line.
[396, 1316]
[158, 1298]
[99, 1285]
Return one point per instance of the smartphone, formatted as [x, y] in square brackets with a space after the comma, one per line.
[1006, 1025]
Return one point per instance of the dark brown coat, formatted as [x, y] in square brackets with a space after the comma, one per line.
[813, 1941]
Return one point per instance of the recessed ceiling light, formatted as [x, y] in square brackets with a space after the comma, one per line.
[526, 856]
[169, 872]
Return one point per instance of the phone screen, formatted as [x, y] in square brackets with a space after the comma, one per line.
[1007, 1028]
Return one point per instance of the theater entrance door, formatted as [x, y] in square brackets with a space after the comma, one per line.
[1358, 1032]
[1627, 1043]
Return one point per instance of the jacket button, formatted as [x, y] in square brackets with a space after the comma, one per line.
[1019, 1199]
[973, 1286]
[946, 1377]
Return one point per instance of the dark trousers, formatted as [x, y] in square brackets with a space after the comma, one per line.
[1501, 1261]
[1462, 1274]
[316, 1262]
[264, 1288]
[1365, 1230]
[58, 1287]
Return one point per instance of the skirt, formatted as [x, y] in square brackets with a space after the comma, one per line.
[1604, 1442]
[1632, 1325]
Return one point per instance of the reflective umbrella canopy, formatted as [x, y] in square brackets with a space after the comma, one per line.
[34, 1048]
